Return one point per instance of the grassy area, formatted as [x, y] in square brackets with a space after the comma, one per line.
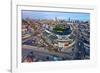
[58, 28]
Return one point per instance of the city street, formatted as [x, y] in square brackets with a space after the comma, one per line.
[55, 39]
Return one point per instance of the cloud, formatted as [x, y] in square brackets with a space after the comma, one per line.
[51, 15]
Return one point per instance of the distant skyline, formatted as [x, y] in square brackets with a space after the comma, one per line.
[51, 15]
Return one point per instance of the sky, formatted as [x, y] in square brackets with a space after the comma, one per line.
[51, 15]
